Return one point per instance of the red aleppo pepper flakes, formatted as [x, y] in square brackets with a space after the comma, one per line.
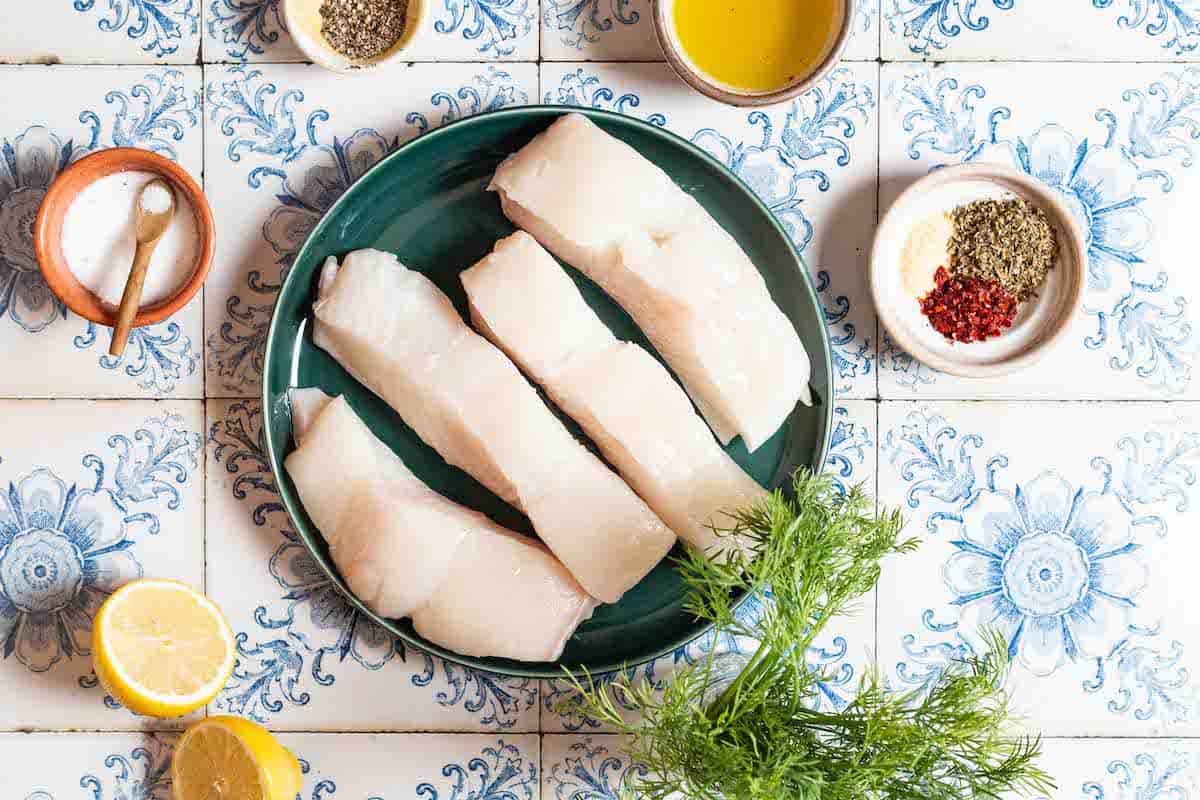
[968, 309]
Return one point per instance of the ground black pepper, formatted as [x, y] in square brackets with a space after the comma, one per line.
[363, 29]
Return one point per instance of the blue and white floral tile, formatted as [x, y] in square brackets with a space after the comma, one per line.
[95, 494]
[282, 143]
[237, 31]
[594, 767]
[306, 659]
[840, 653]
[100, 32]
[67, 766]
[623, 30]
[1123, 769]
[812, 161]
[1087, 30]
[1083, 562]
[52, 117]
[587, 767]
[1120, 148]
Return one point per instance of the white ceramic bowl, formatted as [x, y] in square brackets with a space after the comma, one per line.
[303, 21]
[1040, 321]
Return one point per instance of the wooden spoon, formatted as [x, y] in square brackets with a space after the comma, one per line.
[149, 227]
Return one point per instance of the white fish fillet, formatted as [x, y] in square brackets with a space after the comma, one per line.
[619, 394]
[405, 550]
[400, 336]
[596, 203]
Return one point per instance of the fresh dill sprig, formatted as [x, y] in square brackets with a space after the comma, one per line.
[757, 736]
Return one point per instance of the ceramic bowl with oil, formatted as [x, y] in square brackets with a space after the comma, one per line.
[753, 52]
[1040, 321]
[303, 20]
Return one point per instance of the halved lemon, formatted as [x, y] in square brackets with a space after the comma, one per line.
[229, 758]
[161, 648]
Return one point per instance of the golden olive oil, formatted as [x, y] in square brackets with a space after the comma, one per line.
[757, 45]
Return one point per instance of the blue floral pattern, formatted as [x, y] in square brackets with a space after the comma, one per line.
[929, 25]
[579, 22]
[1177, 22]
[144, 774]
[65, 548]
[28, 164]
[310, 173]
[495, 24]
[1056, 568]
[158, 25]
[154, 114]
[1146, 776]
[497, 773]
[245, 27]
[1104, 181]
[591, 772]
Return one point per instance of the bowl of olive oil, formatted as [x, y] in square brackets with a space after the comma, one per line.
[752, 52]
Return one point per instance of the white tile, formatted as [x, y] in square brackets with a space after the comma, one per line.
[278, 137]
[97, 494]
[451, 30]
[812, 161]
[307, 660]
[1118, 147]
[587, 766]
[623, 30]
[1123, 769]
[54, 116]
[52, 766]
[1102, 30]
[1094, 502]
[841, 652]
[100, 32]
[427, 766]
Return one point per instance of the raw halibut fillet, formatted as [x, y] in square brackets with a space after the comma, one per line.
[619, 394]
[469, 584]
[596, 203]
[400, 336]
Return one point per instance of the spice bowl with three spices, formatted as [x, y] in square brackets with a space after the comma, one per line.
[354, 35]
[977, 270]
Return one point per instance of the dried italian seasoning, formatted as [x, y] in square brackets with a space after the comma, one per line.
[1009, 242]
[363, 29]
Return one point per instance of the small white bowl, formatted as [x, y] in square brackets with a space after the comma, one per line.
[303, 21]
[1040, 322]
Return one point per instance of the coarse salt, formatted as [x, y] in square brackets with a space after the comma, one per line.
[99, 240]
[155, 199]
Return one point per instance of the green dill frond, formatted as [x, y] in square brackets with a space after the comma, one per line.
[756, 735]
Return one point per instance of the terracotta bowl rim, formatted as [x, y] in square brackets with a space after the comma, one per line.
[63, 191]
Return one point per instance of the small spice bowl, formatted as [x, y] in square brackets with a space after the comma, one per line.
[1040, 321]
[303, 21]
[48, 230]
[698, 79]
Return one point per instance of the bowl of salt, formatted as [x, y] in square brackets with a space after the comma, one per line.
[85, 240]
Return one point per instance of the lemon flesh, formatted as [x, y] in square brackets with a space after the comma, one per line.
[161, 648]
[229, 758]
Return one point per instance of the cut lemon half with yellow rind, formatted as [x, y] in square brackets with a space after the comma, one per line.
[229, 758]
[161, 648]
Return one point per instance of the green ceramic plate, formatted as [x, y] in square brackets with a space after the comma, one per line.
[427, 203]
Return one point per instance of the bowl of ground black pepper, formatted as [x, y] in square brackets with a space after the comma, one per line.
[978, 269]
[350, 35]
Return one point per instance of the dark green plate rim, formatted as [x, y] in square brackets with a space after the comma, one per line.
[412, 149]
